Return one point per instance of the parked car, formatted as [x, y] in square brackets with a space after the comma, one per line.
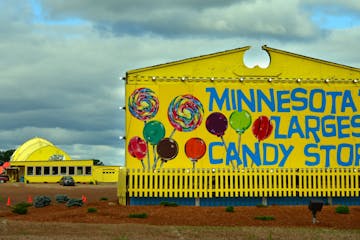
[4, 178]
[67, 181]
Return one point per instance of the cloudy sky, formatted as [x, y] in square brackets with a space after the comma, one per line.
[61, 61]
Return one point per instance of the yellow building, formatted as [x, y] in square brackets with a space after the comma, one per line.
[40, 161]
[209, 127]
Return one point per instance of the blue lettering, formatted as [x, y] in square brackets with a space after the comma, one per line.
[261, 97]
[302, 100]
[313, 100]
[211, 146]
[311, 154]
[266, 154]
[294, 127]
[355, 123]
[357, 154]
[312, 129]
[286, 153]
[342, 126]
[348, 102]
[249, 102]
[327, 149]
[333, 100]
[233, 99]
[325, 127]
[282, 100]
[219, 101]
[341, 153]
[254, 156]
[277, 120]
[232, 154]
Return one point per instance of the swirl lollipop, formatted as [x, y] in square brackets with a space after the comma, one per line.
[143, 104]
[195, 149]
[137, 148]
[185, 113]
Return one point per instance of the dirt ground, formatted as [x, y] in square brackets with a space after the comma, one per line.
[110, 212]
[111, 221]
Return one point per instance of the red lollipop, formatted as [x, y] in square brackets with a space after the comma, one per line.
[262, 128]
[137, 148]
[195, 149]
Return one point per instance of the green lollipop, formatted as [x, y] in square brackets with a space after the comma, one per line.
[240, 121]
[153, 132]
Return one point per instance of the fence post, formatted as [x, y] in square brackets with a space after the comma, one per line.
[122, 190]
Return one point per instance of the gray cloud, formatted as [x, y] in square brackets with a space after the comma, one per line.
[272, 19]
[61, 81]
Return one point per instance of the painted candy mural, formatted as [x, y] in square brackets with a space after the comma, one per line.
[213, 112]
[257, 125]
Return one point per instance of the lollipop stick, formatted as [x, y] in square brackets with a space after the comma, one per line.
[148, 155]
[172, 133]
[222, 139]
[194, 164]
[154, 151]
[239, 142]
[142, 163]
[155, 162]
[162, 163]
[252, 162]
[147, 150]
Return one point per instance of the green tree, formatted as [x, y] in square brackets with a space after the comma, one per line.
[6, 155]
[97, 162]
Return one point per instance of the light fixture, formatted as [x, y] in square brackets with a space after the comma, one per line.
[315, 206]
[212, 79]
[355, 81]
[241, 79]
[298, 80]
[327, 80]
[153, 78]
[122, 137]
[122, 108]
[269, 80]
[183, 78]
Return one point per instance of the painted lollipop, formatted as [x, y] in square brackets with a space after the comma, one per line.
[262, 129]
[185, 113]
[217, 123]
[167, 149]
[153, 132]
[240, 122]
[143, 104]
[137, 148]
[195, 149]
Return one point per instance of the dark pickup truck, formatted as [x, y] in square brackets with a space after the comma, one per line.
[4, 178]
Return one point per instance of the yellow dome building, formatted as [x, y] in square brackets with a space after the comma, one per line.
[40, 161]
[39, 149]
